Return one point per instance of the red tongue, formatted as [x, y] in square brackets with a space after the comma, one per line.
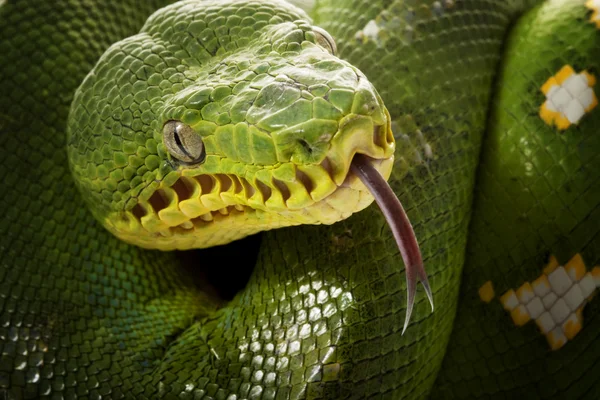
[401, 228]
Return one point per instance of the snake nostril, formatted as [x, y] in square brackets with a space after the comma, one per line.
[305, 146]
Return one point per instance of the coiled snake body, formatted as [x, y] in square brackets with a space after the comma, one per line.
[128, 130]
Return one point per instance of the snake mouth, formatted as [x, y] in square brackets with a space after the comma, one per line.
[295, 194]
[196, 208]
[192, 202]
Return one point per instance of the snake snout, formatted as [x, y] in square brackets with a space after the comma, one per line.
[359, 134]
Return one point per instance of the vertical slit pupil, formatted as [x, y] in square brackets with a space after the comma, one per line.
[180, 143]
[178, 140]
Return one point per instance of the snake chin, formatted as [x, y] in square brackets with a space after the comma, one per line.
[197, 209]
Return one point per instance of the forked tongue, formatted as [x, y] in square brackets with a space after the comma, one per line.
[401, 228]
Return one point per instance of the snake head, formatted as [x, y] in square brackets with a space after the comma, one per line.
[208, 126]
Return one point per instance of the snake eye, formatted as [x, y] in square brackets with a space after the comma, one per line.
[183, 142]
[325, 40]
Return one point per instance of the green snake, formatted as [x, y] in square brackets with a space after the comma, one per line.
[133, 134]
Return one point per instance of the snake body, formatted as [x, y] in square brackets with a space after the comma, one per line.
[498, 182]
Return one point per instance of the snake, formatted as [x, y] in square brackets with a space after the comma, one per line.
[236, 199]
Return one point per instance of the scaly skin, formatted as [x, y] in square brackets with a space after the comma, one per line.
[279, 116]
[537, 198]
[84, 314]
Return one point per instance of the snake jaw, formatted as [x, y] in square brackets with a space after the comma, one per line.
[196, 209]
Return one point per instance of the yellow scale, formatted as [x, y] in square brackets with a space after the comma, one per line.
[555, 300]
